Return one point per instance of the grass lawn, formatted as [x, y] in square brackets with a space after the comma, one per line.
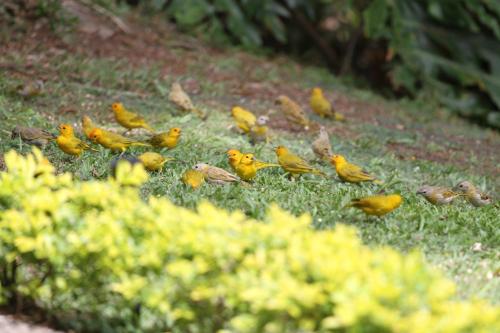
[405, 144]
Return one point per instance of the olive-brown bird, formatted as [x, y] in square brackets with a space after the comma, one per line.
[129, 120]
[153, 161]
[377, 205]
[349, 172]
[182, 100]
[244, 119]
[321, 146]
[474, 196]
[259, 132]
[33, 136]
[216, 175]
[322, 107]
[113, 141]
[438, 195]
[193, 178]
[293, 112]
[294, 164]
[69, 143]
[31, 88]
[167, 139]
[87, 126]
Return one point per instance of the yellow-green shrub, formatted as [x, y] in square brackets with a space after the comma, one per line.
[98, 257]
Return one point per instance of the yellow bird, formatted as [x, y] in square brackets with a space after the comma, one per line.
[294, 164]
[182, 100]
[350, 172]
[244, 119]
[437, 195]
[246, 169]
[128, 119]
[259, 132]
[293, 112]
[215, 175]
[234, 159]
[472, 194]
[113, 141]
[322, 107]
[377, 205]
[153, 161]
[69, 143]
[168, 139]
[87, 126]
[32, 135]
[193, 178]
[321, 146]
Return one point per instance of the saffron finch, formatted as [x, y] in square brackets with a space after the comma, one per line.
[87, 126]
[294, 164]
[244, 119]
[168, 139]
[193, 178]
[69, 143]
[474, 196]
[215, 175]
[33, 136]
[182, 101]
[437, 195]
[113, 141]
[322, 107]
[128, 119]
[293, 112]
[321, 146]
[259, 132]
[349, 172]
[377, 205]
[234, 159]
[153, 161]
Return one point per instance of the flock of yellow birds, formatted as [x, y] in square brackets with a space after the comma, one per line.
[245, 165]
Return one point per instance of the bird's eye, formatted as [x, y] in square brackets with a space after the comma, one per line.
[461, 185]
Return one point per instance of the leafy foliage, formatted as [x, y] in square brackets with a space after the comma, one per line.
[96, 253]
[449, 50]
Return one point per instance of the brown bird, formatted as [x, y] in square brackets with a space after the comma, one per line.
[32, 135]
[216, 175]
[321, 146]
[182, 100]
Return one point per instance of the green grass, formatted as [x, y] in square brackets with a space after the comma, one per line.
[445, 234]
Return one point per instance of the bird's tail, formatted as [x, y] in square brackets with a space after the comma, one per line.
[263, 165]
[143, 144]
[199, 113]
[354, 203]
[167, 159]
[338, 116]
[148, 128]
[319, 172]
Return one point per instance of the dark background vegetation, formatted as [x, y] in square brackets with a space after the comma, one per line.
[443, 51]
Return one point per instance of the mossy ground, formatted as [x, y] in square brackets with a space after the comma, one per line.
[407, 144]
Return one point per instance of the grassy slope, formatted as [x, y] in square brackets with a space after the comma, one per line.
[81, 84]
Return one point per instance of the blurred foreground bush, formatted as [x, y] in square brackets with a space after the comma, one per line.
[98, 258]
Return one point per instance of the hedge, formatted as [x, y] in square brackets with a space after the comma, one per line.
[98, 257]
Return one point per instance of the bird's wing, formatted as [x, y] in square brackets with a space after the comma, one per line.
[215, 173]
[296, 162]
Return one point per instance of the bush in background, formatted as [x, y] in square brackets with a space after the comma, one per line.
[97, 257]
[446, 51]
